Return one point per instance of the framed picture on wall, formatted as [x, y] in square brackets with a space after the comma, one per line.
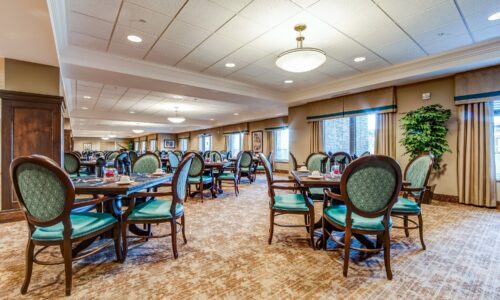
[257, 141]
[168, 143]
[87, 147]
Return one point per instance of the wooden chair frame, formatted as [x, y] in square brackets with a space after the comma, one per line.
[250, 174]
[322, 168]
[78, 162]
[201, 186]
[236, 172]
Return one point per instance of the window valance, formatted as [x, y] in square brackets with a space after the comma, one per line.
[236, 128]
[477, 86]
[276, 128]
[183, 135]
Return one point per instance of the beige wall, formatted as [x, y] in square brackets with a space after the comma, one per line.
[166, 136]
[30, 77]
[99, 144]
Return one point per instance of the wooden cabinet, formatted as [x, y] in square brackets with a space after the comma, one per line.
[31, 124]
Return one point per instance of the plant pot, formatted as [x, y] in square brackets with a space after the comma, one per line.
[428, 194]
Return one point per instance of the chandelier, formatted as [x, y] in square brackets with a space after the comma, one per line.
[176, 119]
[301, 59]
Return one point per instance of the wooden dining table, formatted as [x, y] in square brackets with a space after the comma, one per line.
[90, 164]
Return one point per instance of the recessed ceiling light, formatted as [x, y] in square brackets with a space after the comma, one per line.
[87, 97]
[84, 108]
[360, 59]
[105, 138]
[112, 135]
[494, 17]
[230, 65]
[178, 97]
[236, 114]
[288, 81]
[211, 119]
[134, 38]
[131, 112]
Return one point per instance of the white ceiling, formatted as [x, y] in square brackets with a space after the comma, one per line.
[195, 38]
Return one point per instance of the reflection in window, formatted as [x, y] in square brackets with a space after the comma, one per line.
[353, 135]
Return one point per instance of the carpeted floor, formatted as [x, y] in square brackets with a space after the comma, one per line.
[227, 256]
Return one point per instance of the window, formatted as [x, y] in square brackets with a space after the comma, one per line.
[280, 141]
[183, 144]
[143, 146]
[496, 109]
[353, 135]
[152, 145]
[136, 146]
[235, 143]
[205, 143]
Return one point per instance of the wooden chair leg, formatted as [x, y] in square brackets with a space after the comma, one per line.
[200, 188]
[183, 223]
[380, 240]
[116, 238]
[347, 250]
[30, 248]
[323, 229]
[387, 254]
[405, 223]
[306, 216]
[68, 268]
[421, 230]
[173, 227]
[271, 228]
[311, 228]
[124, 241]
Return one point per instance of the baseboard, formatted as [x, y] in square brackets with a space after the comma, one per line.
[445, 198]
[11, 216]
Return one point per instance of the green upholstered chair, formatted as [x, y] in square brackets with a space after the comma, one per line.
[283, 204]
[317, 162]
[72, 164]
[231, 176]
[246, 167]
[47, 196]
[369, 188]
[133, 156]
[146, 163]
[417, 174]
[197, 177]
[215, 156]
[110, 159]
[122, 163]
[173, 161]
[157, 153]
[260, 167]
[156, 210]
[179, 154]
[342, 159]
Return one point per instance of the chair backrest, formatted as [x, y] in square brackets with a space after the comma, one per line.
[197, 165]
[215, 156]
[206, 154]
[77, 153]
[340, 158]
[178, 153]
[157, 152]
[246, 159]
[112, 155]
[419, 169]
[179, 182]
[370, 185]
[269, 174]
[270, 157]
[173, 159]
[45, 192]
[366, 153]
[71, 163]
[146, 163]
[122, 162]
[133, 156]
[293, 162]
[229, 155]
[316, 161]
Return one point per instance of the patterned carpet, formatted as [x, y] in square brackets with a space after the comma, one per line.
[227, 256]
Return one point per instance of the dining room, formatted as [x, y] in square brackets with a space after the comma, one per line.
[268, 149]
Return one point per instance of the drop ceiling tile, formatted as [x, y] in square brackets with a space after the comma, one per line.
[83, 83]
[113, 89]
[249, 54]
[186, 34]
[104, 10]
[220, 44]
[241, 29]
[369, 65]
[400, 51]
[89, 42]
[336, 69]
[304, 3]
[401, 9]
[219, 69]
[167, 52]
[233, 5]
[166, 7]
[487, 33]
[127, 51]
[444, 35]
[270, 13]
[205, 14]
[136, 93]
[90, 26]
[203, 57]
[250, 71]
[142, 19]
[446, 43]
[120, 36]
[192, 65]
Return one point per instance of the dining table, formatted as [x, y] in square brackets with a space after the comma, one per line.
[115, 191]
[89, 164]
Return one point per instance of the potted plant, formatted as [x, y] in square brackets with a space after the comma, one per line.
[424, 130]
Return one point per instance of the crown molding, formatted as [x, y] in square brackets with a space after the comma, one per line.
[463, 59]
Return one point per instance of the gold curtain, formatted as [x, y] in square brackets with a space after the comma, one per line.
[270, 146]
[316, 144]
[476, 158]
[385, 134]
[246, 142]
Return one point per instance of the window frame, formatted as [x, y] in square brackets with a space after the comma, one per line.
[352, 133]
[275, 146]
[202, 142]
[229, 142]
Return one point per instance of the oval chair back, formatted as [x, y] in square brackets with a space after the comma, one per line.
[293, 162]
[418, 170]
[269, 175]
[179, 154]
[100, 165]
[340, 158]
[246, 159]
[77, 153]
[147, 163]
[215, 156]
[71, 163]
[229, 155]
[122, 163]
[197, 165]
[132, 156]
[370, 186]
[179, 182]
[45, 192]
[317, 161]
[157, 152]
[366, 153]
[173, 160]
[112, 155]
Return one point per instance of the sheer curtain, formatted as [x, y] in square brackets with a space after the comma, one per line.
[476, 158]
[385, 134]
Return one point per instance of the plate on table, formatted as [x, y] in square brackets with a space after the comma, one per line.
[124, 183]
[157, 174]
[315, 176]
[303, 171]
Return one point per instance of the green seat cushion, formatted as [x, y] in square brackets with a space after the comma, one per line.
[83, 223]
[291, 202]
[74, 175]
[337, 214]
[155, 210]
[205, 178]
[316, 191]
[404, 205]
[226, 176]
[260, 168]
[245, 169]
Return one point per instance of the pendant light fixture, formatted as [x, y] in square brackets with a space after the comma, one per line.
[301, 59]
[176, 119]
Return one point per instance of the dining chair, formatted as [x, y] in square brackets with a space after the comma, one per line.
[260, 167]
[110, 160]
[156, 210]
[417, 173]
[157, 153]
[197, 177]
[46, 195]
[231, 176]
[246, 166]
[369, 188]
[284, 204]
[122, 163]
[173, 161]
[366, 153]
[318, 161]
[133, 156]
[293, 162]
[72, 164]
[229, 155]
[146, 163]
[179, 154]
[342, 159]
